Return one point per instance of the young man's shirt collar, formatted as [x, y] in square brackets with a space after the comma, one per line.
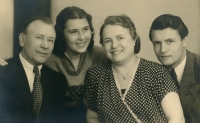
[180, 69]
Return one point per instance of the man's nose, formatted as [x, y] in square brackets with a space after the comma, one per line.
[45, 44]
[163, 47]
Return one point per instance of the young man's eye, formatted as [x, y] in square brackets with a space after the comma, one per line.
[156, 43]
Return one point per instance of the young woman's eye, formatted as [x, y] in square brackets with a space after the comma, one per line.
[86, 29]
[73, 32]
[51, 40]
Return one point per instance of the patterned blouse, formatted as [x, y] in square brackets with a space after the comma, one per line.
[141, 101]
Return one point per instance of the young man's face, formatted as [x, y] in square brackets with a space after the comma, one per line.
[169, 47]
[37, 42]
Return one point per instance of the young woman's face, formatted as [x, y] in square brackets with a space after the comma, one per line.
[77, 35]
[118, 43]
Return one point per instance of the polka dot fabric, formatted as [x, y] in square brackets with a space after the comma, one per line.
[151, 83]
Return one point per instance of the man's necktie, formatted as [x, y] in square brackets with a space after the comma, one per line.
[37, 92]
[174, 77]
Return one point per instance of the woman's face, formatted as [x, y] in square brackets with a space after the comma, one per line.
[118, 43]
[77, 35]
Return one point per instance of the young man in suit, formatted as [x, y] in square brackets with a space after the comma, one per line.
[30, 91]
[168, 34]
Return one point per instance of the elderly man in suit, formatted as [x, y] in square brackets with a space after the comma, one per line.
[30, 91]
[168, 34]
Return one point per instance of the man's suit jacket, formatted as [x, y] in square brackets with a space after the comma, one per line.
[16, 102]
[189, 91]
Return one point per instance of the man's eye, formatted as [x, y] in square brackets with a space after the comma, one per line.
[39, 38]
[169, 41]
[156, 43]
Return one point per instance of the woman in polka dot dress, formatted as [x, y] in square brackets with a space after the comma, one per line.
[129, 89]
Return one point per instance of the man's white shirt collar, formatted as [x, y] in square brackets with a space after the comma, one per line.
[180, 69]
[29, 71]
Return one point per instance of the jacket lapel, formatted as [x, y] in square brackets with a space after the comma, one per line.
[48, 89]
[22, 87]
[188, 87]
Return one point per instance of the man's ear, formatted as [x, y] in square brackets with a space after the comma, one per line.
[185, 41]
[22, 39]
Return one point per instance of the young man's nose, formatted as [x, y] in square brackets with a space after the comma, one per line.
[163, 47]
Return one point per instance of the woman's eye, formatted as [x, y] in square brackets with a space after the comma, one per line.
[105, 41]
[86, 29]
[73, 32]
[50, 40]
[120, 38]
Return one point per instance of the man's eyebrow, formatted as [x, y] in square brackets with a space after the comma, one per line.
[52, 37]
[39, 34]
[169, 39]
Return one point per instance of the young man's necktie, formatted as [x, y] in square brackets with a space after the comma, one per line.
[174, 77]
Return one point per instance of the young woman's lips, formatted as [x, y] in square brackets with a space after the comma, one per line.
[81, 44]
[117, 52]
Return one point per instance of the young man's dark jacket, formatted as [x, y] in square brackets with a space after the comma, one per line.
[189, 91]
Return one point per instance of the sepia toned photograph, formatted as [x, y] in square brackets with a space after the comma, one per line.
[100, 61]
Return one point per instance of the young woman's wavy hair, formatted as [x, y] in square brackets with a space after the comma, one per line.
[69, 13]
[126, 22]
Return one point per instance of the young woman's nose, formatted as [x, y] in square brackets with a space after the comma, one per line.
[81, 36]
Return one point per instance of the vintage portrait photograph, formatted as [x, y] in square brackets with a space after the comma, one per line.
[100, 61]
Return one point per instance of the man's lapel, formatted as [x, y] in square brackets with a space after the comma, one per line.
[48, 89]
[22, 86]
[188, 86]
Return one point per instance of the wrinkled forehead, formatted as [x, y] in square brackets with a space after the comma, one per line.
[40, 27]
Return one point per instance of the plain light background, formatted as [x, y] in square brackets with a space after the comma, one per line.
[6, 28]
[142, 12]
